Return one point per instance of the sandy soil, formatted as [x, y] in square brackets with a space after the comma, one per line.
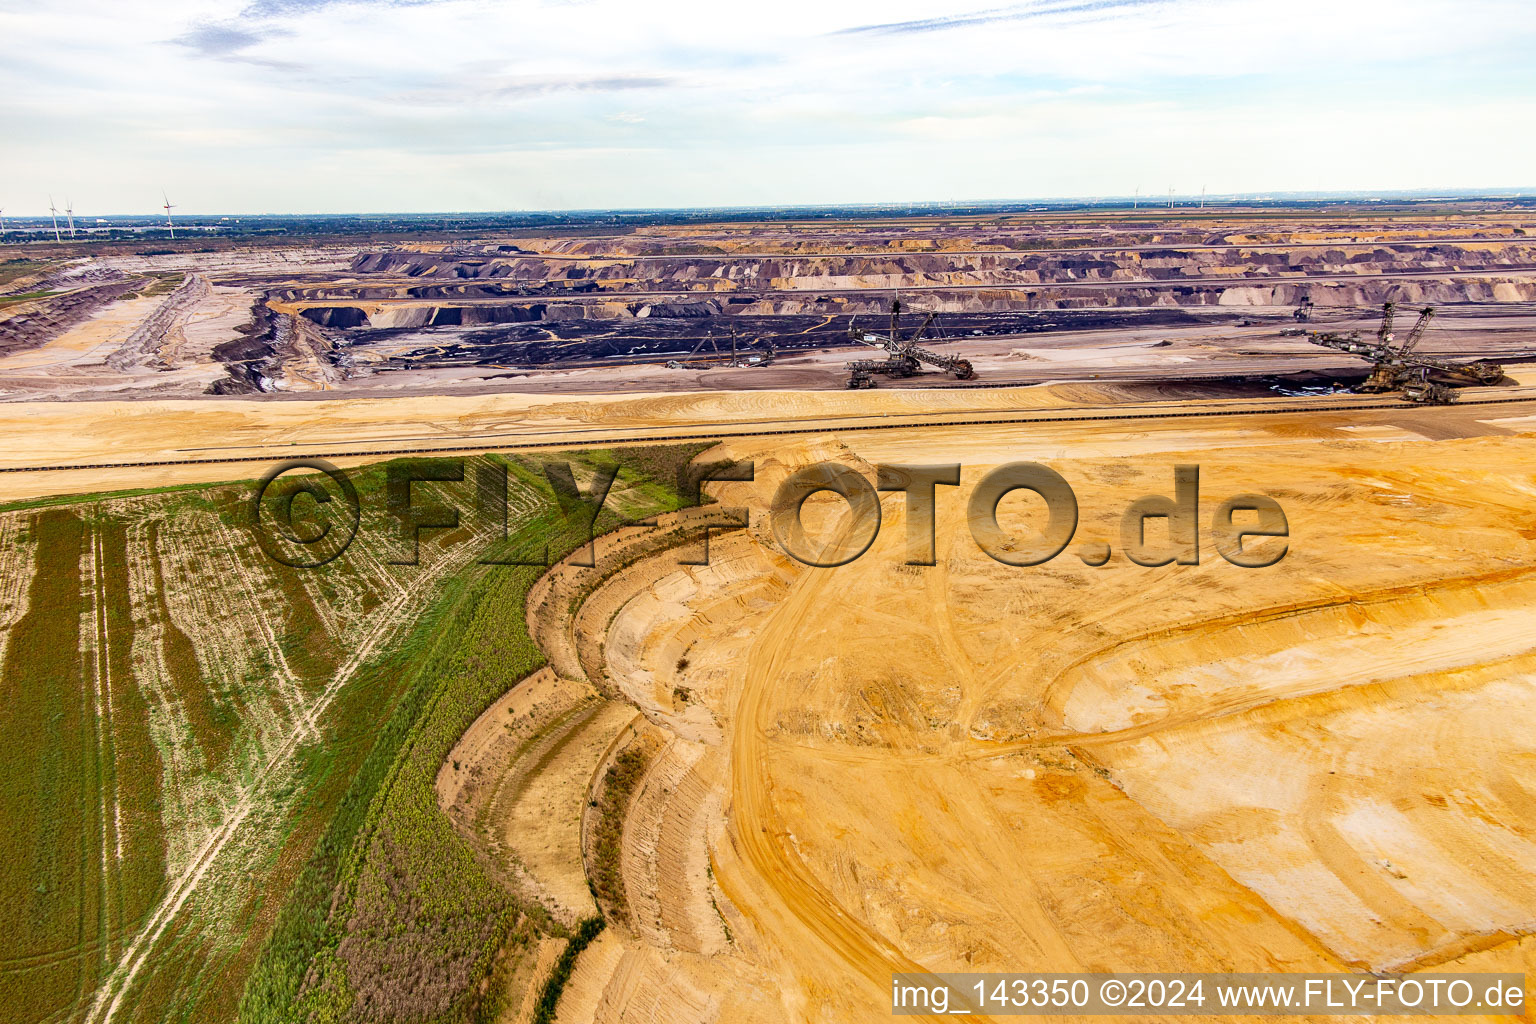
[516, 785]
[178, 333]
[1323, 765]
[525, 986]
[196, 436]
[543, 826]
[101, 333]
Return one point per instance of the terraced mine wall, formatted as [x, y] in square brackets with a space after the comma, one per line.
[397, 916]
[47, 318]
[749, 273]
[143, 347]
[1368, 291]
[466, 289]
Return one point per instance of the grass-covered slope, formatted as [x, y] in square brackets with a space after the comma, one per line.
[218, 770]
[394, 918]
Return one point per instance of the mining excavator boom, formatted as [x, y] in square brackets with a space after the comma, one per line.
[904, 357]
[1417, 334]
[1402, 369]
[740, 356]
[961, 368]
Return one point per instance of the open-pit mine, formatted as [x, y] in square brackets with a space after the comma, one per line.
[562, 729]
[1114, 296]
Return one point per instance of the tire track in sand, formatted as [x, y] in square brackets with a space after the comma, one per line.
[810, 908]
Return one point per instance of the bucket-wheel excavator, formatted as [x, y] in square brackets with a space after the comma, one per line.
[1400, 367]
[903, 355]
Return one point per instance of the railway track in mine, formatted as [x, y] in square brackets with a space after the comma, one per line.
[285, 452]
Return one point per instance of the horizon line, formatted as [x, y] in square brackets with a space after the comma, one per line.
[1151, 200]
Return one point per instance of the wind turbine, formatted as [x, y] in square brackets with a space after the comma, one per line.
[1202, 197]
[53, 212]
[69, 213]
[168, 207]
[1136, 198]
[1170, 197]
[2, 220]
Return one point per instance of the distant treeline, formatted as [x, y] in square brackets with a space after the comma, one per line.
[25, 229]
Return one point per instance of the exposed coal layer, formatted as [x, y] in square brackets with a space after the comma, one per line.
[1268, 384]
[675, 337]
[250, 356]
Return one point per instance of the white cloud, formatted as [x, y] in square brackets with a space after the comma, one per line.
[476, 104]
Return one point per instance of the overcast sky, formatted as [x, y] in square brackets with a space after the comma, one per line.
[301, 106]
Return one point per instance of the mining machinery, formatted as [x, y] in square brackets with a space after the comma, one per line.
[1303, 312]
[741, 356]
[1401, 368]
[1417, 387]
[903, 355]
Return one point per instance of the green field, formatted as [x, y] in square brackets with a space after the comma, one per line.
[219, 770]
[8, 300]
